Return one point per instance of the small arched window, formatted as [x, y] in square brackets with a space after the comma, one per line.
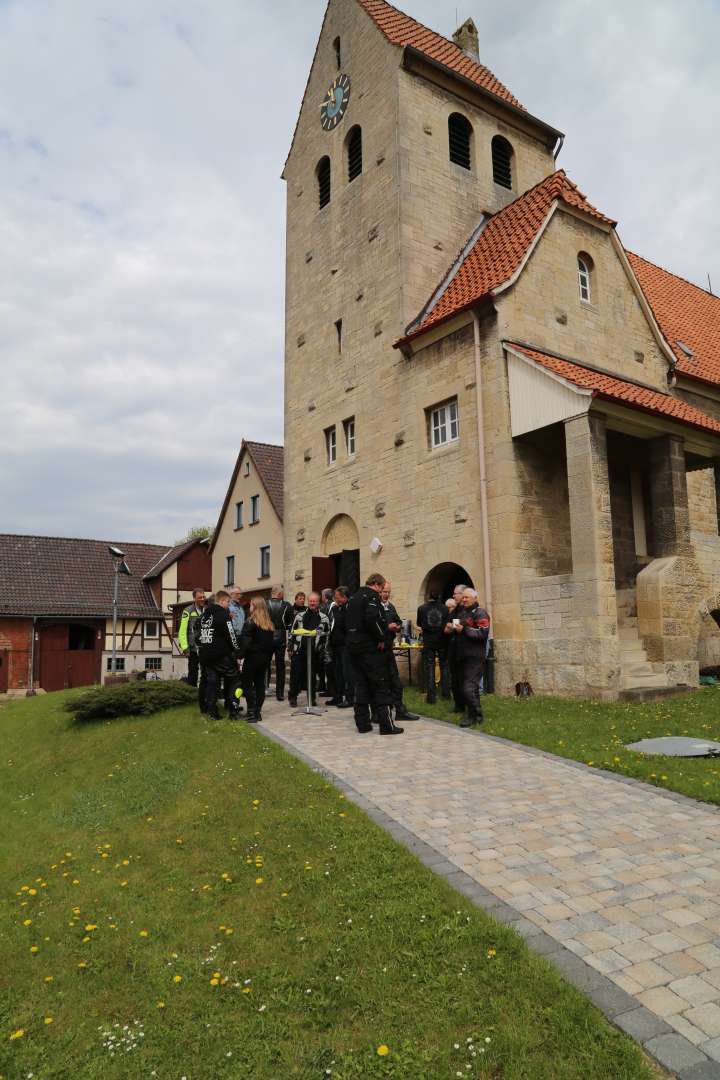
[459, 139]
[502, 155]
[585, 269]
[323, 180]
[354, 153]
[338, 52]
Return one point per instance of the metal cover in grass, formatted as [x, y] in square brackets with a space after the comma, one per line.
[677, 746]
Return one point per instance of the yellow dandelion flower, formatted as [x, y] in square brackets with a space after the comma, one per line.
[86, 938]
[383, 1050]
[32, 892]
[123, 884]
[76, 881]
[49, 978]
[229, 931]
[259, 880]
[161, 1005]
[177, 978]
[283, 894]
[214, 982]
[17, 1034]
[91, 926]
[216, 974]
[34, 948]
[143, 933]
[82, 964]
[49, 1020]
[491, 953]
[246, 990]
[27, 922]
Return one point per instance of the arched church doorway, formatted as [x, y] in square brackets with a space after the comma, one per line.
[340, 561]
[443, 578]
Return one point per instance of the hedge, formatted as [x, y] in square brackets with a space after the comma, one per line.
[130, 699]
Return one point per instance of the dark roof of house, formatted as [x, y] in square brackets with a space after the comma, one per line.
[173, 555]
[269, 462]
[56, 576]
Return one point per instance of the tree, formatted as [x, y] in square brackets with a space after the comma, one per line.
[197, 532]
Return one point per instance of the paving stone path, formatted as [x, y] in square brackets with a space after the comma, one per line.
[616, 882]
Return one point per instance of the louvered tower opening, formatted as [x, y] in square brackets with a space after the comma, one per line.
[323, 179]
[354, 153]
[459, 137]
[502, 153]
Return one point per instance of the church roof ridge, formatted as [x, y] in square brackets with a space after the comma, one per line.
[404, 30]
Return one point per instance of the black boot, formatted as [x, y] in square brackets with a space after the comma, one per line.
[386, 722]
[252, 716]
[403, 714]
[362, 718]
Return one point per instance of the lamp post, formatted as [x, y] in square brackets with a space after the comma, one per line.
[119, 567]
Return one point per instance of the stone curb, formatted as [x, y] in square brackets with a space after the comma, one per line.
[666, 1046]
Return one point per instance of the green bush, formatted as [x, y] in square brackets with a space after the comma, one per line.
[130, 699]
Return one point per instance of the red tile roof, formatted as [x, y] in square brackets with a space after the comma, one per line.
[686, 313]
[611, 388]
[50, 575]
[401, 29]
[499, 250]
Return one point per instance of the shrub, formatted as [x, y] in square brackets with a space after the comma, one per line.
[130, 699]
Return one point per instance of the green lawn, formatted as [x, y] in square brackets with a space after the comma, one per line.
[187, 900]
[597, 733]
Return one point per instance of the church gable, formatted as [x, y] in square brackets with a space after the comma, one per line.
[577, 297]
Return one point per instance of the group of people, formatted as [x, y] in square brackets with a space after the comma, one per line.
[455, 639]
[351, 638]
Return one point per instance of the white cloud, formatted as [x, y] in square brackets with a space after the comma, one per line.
[142, 219]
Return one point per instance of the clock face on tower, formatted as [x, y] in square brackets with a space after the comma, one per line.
[335, 104]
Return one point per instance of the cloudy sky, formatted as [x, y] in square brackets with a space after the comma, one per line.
[142, 219]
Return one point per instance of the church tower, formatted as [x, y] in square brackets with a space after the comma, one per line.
[403, 143]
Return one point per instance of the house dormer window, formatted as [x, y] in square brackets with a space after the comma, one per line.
[459, 140]
[354, 153]
[585, 268]
[502, 155]
[323, 181]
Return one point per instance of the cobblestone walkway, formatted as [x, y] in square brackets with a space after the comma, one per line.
[624, 877]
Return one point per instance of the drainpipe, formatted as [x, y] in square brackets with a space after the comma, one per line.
[31, 666]
[481, 464]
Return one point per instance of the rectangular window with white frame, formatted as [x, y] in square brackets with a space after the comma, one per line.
[230, 570]
[153, 663]
[349, 426]
[239, 515]
[254, 509]
[151, 628]
[265, 561]
[444, 424]
[331, 444]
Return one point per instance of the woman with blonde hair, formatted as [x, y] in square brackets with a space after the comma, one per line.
[256, 649]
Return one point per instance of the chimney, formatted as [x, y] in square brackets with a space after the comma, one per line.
[466, 36]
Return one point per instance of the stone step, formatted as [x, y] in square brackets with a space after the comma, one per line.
[638, 667]
[658, 693]
[634, 655]
[628, 633]
[644, 682]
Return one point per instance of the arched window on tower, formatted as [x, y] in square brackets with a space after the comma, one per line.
[323, 180]
[585, 276]
[459, 140]
[338, 52]
[354, 153]
[502, 155]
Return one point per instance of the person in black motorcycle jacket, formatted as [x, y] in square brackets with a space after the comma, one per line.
[366, 637]
[219, 649]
